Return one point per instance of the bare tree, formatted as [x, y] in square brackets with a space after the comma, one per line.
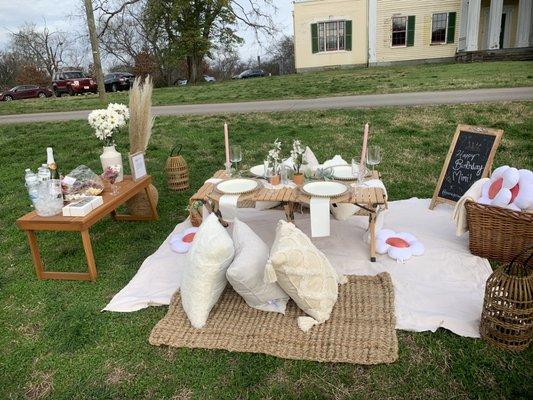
[226, 63]
[97, 63]
[42, 48]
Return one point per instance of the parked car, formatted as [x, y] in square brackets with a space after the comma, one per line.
[118, 81]
[250, 73]
[25, 92]
[209, 78]
[72, 83]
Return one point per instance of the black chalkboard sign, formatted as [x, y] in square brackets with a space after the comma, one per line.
[469, 159]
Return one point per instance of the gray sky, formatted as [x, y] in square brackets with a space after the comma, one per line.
[13, 13]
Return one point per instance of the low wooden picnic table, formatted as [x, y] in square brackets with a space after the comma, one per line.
[369, 199]
[32, 222]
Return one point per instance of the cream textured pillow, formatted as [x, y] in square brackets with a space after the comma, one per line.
[304, 273]
[204, 279]
[247, 270]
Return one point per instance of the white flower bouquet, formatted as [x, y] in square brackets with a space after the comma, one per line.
[274, 156]
[106, 122]
[297, 156]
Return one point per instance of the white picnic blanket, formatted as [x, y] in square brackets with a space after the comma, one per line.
[442, 288]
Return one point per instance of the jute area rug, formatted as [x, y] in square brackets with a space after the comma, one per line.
[360, 330]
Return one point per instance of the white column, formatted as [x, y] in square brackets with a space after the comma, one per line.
[495, 24]
[463, 23]
[472, 29]
[372, 30]
[524, 23]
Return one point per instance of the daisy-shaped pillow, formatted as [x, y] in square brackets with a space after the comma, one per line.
[181, 242]
[399, 246]
[510, 188]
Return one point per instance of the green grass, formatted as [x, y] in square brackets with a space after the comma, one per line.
[55, 342]
[328, 83]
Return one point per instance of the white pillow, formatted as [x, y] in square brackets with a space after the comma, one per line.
[247, 270]
[204, 278]
[304, 273]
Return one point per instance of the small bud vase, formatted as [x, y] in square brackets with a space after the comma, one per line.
[298, 179]
[275, 180]
[111, 156]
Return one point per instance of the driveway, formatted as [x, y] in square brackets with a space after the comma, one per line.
[360, 101]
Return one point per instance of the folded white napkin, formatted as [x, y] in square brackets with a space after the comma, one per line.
[459, 212]
[319, 210]
[228, 206]
[337, 160]
[312, 161]
[214, 181]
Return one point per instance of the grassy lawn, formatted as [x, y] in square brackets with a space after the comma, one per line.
[55, 342]
[329, 83]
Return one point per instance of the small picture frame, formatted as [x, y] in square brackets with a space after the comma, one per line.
[137, 166]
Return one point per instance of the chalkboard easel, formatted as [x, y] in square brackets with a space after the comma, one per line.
[469, 159]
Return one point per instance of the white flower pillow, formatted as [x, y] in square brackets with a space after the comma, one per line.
[204, 279]
[304, 273]
[246, 272]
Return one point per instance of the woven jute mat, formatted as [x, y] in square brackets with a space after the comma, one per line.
[360, 330]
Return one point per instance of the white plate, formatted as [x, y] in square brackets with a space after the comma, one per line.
[258, 170]
[237, 186]
[325, 189]
[344, 172]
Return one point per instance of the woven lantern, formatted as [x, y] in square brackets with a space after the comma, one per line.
[507, 317]
[177, 171]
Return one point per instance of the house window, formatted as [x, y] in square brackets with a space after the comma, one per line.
[331, 36]
[438, 28]
[399, 31]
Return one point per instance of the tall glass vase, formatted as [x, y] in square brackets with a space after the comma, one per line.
[111, 156]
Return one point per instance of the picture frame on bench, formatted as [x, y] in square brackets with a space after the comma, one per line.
[137, 166]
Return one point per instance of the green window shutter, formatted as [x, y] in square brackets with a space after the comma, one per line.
[348, 29]
[314, 38]
[411, 30]
[451, 27]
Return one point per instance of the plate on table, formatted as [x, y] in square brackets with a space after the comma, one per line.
[325, 189]
[344, 173]
[237, 186]
[258, 170]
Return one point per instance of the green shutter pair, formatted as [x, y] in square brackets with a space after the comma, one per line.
[314, 36]
[411, 29]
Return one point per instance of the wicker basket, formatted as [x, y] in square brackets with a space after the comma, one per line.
[507, 317]
[177, 171]
[498, 233]
[139, 204]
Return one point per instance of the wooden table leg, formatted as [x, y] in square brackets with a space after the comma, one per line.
[86, 239]
[151, 200]
[289, 211]
[35, 255]
[372, 228]
[127, 217]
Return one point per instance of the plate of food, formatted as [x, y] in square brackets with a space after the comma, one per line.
[237, 186]
[258, 170]
[325, 189]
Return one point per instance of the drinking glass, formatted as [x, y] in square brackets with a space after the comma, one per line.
[356, 171]
[236, 157]
[373, 156]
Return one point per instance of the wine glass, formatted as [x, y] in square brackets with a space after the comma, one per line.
[373, 156]
[236, 157]
[358, 172]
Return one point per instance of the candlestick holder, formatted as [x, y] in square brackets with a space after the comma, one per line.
[228, 169]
